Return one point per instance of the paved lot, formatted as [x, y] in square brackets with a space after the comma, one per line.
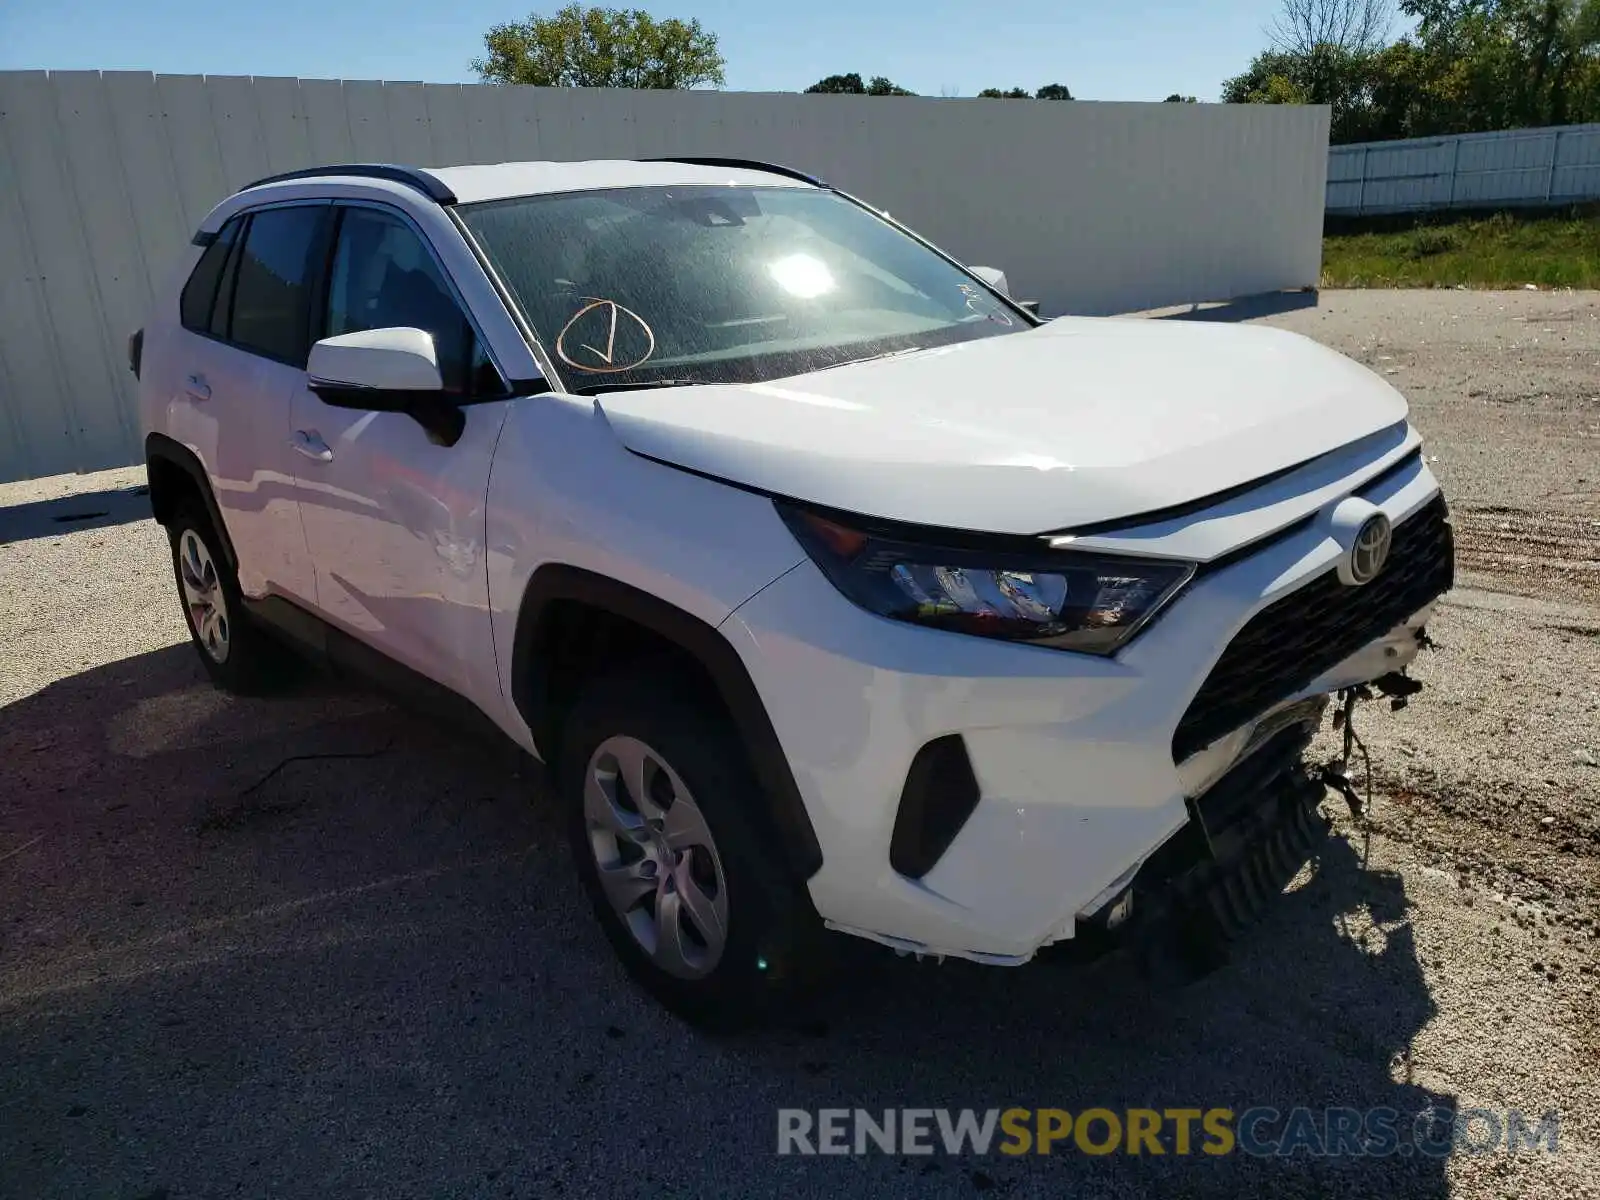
[315, 947]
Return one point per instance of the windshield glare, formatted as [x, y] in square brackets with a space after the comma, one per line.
[634, 286]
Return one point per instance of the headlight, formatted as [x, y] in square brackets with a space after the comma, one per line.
[1062, 598]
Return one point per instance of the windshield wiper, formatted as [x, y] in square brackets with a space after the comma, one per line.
[596, 389]
[870, 358]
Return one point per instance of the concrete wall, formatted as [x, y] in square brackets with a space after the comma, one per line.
[1088, 207]
[1536, 167]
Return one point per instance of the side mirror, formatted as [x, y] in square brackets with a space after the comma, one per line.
[386, 370]
[994, 277]
[381, 369]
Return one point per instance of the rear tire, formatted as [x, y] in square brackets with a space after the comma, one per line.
[662, 813]
[237, 655]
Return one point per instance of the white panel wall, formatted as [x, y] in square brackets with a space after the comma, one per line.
[1537, 167]
[1089, 208]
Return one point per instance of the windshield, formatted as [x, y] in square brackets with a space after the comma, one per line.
[716, 284]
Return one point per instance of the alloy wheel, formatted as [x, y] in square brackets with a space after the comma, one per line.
[657, 861]
[203, 597]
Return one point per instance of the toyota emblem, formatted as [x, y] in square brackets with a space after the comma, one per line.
[1371, 549]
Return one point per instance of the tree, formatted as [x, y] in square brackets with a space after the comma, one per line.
[848, 85]
[879, 86]
[1013, 94]
[851, 85]
[1469, 65]
[1353, 25]
[1177, 98]
[1053, 91]
[1327, 75]
[601, 47]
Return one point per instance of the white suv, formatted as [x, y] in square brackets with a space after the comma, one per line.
[837, 589]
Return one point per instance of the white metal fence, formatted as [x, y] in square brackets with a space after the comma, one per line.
[1087, 207]
[1551, 166]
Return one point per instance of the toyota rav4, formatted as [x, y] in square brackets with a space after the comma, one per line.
[837, 590]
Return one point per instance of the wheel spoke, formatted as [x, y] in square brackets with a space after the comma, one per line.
[605, 813]
[635, 767]
[701, 908]
[685, 825]
[671, 952]
[626, 884]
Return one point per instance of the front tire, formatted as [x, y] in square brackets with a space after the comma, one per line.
[661, 813]
[235, 653]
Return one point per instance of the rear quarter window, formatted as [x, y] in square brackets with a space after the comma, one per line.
[200, 292]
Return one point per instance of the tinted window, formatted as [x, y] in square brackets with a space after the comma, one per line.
[271, 301]
[724, 284]
[222, 310]
[383, 277]
[201, 290]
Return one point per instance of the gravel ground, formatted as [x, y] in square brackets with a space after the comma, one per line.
[313, 946]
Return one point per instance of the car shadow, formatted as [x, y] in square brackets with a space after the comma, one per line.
[312, 945]
[64, 514]
[1247, 308]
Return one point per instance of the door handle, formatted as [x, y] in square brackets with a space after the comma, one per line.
[196, 388]
[310, 443]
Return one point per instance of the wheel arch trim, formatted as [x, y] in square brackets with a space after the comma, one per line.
[160, 447]
[557, 582]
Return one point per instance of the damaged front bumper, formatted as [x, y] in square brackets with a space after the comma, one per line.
[1248, 835]
[1083, 771]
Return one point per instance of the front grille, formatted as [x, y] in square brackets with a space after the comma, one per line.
[1293, 640]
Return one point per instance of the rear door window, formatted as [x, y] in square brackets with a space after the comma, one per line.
[272, 294]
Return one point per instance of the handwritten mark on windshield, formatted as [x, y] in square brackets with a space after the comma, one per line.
[983, 305]
[598, 322]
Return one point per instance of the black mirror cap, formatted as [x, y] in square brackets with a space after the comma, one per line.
[437, 412]
[344, 395]
[135, 351]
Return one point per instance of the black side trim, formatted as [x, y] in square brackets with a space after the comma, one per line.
[307, 633]
[743, 164]
[940, 793]
[159, 447]
[350, 657]
[429, 185]
[530, 692]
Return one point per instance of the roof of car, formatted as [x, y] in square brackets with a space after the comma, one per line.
[501, 181]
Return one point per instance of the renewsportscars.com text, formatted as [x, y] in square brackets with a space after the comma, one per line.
[1260, 1131]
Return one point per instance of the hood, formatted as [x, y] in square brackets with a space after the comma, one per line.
[1079, 421]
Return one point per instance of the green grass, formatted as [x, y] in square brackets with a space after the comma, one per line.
[1502, 250]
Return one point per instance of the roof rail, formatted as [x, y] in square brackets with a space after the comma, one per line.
[429, 185]
[747, 164]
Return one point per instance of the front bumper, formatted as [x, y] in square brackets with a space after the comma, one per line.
[1246, 838]
[1073, 755]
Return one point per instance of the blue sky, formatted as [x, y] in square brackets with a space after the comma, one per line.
[1117, 50]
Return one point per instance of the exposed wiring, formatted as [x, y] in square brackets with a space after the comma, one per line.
[294, 758]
